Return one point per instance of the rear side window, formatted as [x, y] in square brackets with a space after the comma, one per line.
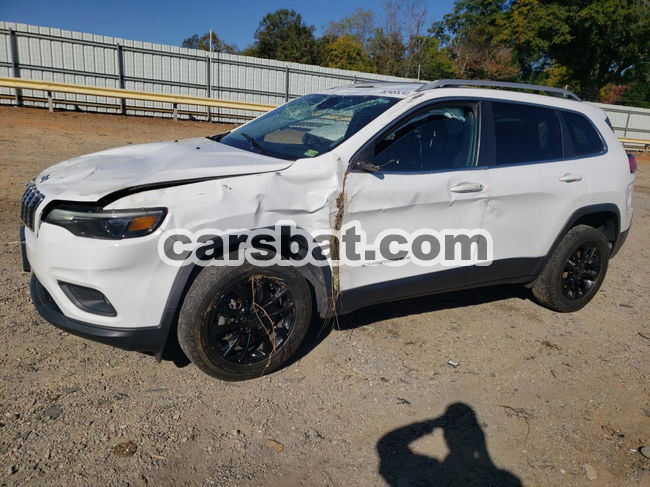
[584, 136]
[525, 133]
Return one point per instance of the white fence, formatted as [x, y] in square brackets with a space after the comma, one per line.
[628, 121]
[44, 53]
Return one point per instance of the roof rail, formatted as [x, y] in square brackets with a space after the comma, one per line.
[445, 83]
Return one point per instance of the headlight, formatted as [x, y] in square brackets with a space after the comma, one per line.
[109, 224]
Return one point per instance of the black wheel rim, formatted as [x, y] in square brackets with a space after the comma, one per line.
[581, 271]
[250, 321]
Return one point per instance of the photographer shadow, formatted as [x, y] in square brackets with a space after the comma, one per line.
[468, 463]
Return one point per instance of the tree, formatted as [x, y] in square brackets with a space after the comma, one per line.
[386, 52]
[471, 32]
[598, 41]
[203, 42]
[531, 28]
[345, 52]
[637, 94]
[282, 35]
[360, 24]
[435, 62]
[399, 48]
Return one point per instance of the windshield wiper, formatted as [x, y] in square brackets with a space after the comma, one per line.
[218, 137]
[254, 143]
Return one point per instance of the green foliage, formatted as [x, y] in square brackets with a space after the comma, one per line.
[531, 28]
[283, 35]
[345, 52]
[434, 61]
[386, 52]
[472, 34]
[599, 42]
[637, 94]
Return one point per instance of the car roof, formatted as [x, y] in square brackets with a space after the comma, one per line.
[395, 89]
[517, 92]
[400, 89]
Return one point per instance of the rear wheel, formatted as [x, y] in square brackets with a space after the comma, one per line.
[575, 271]
[241, 322]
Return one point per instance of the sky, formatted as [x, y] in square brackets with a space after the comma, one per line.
[169, 21]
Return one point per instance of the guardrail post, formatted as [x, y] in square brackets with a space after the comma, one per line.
[15, 66]
[120, 75]
[217, 84]
[175, 112]
[286, 84]
[208, 82]
[50, 104]
[627, 124]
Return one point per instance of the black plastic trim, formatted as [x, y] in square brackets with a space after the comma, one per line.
[620, 240]
[150, 339]
[69, 290]
[23, 250]
[506, 271]
[580, 213]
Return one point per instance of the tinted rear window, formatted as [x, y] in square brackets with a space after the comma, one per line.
[586, 140]
[525, 133]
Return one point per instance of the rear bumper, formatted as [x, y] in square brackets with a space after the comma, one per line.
[151, 339]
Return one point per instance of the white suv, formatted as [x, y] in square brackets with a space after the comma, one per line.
[544, 175]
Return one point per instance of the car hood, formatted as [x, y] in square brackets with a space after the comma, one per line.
[93, 176]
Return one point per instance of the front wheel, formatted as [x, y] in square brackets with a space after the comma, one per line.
[241, 322]
[575, 271]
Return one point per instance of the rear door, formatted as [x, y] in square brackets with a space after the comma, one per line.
[537, 180]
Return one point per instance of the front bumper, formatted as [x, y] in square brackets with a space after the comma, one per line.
[129, 273]
[152, 339]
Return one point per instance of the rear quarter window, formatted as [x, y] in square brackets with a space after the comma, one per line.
[586, 139]
[525, 133]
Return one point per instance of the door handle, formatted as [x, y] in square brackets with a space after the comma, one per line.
[467, 188]
[571, 178]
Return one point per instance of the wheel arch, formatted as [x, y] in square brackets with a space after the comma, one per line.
[318, 277]
[605, 217]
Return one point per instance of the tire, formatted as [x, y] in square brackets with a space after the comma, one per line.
[221, 322]
[571, 277]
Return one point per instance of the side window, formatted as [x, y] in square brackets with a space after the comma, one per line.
[525, 133]
[584, 136]
[439, 138]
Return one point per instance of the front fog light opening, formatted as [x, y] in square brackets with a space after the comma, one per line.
[88, 299]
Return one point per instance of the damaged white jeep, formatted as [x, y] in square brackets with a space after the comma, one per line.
[544, 175]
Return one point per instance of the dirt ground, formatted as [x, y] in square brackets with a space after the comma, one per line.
[539, 398]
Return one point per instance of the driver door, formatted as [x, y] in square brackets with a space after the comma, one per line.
[427, 179]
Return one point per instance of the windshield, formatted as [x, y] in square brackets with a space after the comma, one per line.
[309, 126]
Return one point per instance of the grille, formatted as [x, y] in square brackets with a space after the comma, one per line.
[31, 199]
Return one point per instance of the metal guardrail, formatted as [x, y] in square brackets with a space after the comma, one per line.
[51, 87]
[635, 144]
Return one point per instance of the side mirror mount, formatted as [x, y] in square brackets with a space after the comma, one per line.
[363, 161]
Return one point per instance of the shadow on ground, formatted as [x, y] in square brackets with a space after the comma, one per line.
[468, 463]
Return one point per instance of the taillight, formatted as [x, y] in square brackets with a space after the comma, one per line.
[632, 160]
